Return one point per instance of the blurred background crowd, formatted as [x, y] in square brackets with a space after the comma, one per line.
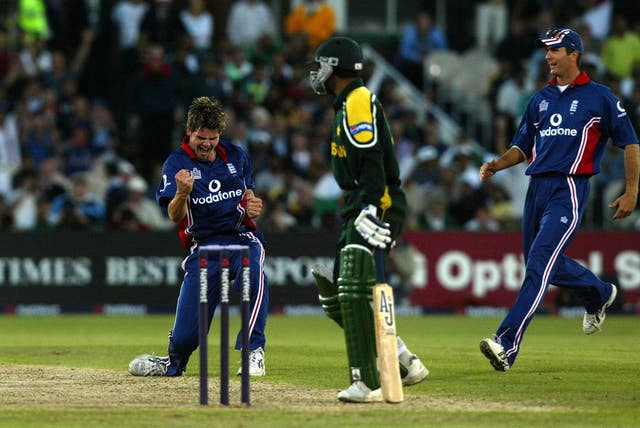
[93, 96]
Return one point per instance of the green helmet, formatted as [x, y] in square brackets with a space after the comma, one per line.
[337, 52]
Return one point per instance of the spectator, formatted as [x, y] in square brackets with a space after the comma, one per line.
[482, 222]
[492, 17]
[236, 66]
[34, 57]
[425, 172]
[516, 46]
[464, 167]
[418, 40]
[608, 183]
[326, 200]
[32, 19]
[6, 219]
[125, 219]
[298, 197]
[258, 84]
[211, 81]
[41, 138]
[79, 208]
[77, 151]
[154, 102]
[313, 20]
[260, 137]
[58, 72]
[500, 207]
[597, 17]
[23, 200]
[117, 175]
[621, 50]
[431, 135]
[279, 219]
[128, 15]
[248, 22]
[10, 156]
[104, 134]
[53, 181]
[270, 181]
[512, 96]
[6, 54]
[300, 154]
[67, 21]
[161, 25]
[405, 267]
[435, 218]
[462, 144]
[146, 211]
[464, 207]
[281, 133]
[199, 26]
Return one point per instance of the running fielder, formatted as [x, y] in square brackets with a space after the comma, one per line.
[562, 134]
[207, 188]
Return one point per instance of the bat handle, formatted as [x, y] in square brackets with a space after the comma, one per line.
[379, 262]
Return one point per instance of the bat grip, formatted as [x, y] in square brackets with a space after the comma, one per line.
[379, 262]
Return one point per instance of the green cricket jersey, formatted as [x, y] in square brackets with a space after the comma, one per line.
[362, 155]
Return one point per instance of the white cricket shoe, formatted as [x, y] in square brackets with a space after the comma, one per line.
[494, 352]
[416, 371]
[149, 365]
[256, 363]
[592, 323]
[359, 392]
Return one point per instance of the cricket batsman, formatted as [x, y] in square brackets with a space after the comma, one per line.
[366, 169]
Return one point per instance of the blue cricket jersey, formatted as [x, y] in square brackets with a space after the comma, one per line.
[566, 132]
[215, 206]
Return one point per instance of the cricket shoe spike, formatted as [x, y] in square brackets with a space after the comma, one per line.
[411, 368]
[494, 352]
[359, 392]
[149, 365]
[592, 323]
[256, 363]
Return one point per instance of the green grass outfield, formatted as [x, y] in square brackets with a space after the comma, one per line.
[562, 377]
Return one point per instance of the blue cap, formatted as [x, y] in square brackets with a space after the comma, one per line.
[559, 37]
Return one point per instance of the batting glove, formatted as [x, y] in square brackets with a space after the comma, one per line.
[373, 230]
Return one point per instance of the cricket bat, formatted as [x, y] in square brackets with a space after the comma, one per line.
[386, 342]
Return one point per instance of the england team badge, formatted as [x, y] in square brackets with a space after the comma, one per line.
[544, 105]
[195, 173]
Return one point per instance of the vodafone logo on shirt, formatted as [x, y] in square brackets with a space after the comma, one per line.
[216, 195]
[554, 129]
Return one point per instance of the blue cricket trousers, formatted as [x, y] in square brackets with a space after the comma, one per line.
[553, 211]
[183, 339]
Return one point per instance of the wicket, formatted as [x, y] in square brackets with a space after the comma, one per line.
[203, 315]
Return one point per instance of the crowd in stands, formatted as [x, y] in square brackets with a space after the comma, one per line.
[93, 96]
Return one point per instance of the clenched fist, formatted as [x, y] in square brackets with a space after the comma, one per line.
[253, 205]
[184, 182]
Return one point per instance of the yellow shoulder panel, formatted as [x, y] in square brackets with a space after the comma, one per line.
[360, 116]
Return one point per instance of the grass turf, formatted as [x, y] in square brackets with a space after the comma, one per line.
[562, 377]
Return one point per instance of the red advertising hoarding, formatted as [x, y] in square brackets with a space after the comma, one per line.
[459, 269]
